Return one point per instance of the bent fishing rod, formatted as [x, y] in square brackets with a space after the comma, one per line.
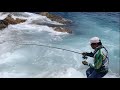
[53, 47]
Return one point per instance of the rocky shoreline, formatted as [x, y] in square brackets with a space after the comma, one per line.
[9, 20]
[56, 18]
[59, 28]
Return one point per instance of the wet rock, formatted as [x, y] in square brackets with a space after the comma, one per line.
[55, 18]
[3, 24]
[61, 29]
[10, 20]
[20, 20]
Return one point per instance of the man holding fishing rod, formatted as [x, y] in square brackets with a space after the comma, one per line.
[101, 60]
[100, 55]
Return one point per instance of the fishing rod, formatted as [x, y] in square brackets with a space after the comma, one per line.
[53, 47]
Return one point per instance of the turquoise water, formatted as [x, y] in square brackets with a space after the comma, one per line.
[102, 24]
[34, 61]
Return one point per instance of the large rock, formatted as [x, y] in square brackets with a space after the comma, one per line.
[3, 24]
[61, 29]
[55, 18]
[10, 20]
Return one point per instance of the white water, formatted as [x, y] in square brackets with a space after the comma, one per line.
[42, 62]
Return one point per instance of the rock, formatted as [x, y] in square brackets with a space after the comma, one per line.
[10, 20]
[61, 29]
[20, 20]
[55, 18]
[3, 24]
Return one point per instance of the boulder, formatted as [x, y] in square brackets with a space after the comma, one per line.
[61, 29]
[55, 18]
[3, 24]
[10, 20]
[20, 20]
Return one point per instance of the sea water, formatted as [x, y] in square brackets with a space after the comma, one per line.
[31, 61]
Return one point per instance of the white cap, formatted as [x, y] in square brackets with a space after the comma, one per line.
[94, 40]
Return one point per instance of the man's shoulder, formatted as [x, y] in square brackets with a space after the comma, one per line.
[104, 50]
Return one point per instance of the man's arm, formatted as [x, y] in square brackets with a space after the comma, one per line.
[90, 54]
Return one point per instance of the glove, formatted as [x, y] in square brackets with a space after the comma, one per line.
[85, 62]
[84, 53]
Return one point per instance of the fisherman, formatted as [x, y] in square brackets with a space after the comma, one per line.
[101, 60]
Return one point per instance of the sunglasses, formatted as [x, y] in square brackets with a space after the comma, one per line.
[93, 43]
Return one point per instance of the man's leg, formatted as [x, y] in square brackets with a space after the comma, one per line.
[100, 75]
[103, 73]
[89, 71]
[95, 74]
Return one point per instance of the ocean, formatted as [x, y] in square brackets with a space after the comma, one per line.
[18, 60]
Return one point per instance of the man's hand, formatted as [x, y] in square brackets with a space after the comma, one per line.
[84, 53]
[85, 62]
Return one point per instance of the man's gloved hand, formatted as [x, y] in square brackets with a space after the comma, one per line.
[85, 62]
[84, 53]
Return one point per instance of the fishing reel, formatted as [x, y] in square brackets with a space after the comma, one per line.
[84, 61]
[84, 57]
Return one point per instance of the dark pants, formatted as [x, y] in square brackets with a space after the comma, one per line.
[92, 73]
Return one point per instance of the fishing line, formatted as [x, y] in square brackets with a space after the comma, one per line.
[53, 47]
